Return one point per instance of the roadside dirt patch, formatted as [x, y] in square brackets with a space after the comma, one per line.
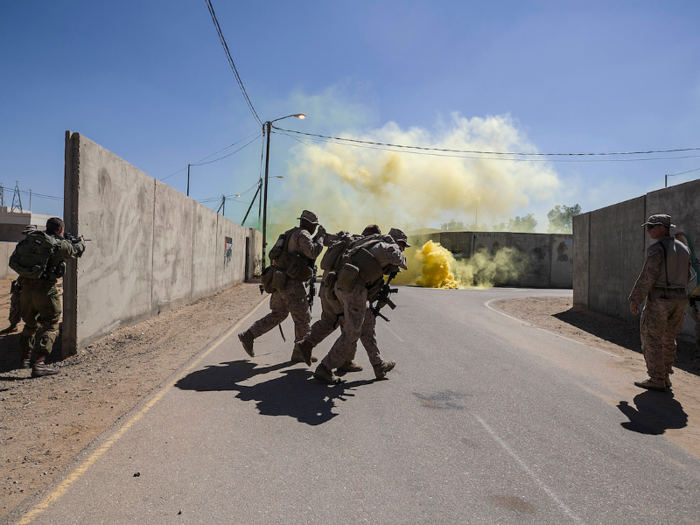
[47, 421]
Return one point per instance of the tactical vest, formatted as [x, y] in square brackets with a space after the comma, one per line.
[331, 259]
[676, 262]
[359, 265]
[32, 254]
[295, 264]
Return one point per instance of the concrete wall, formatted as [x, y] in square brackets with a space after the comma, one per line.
[152, 248]
[610, 246]
[6, 249]
[550, 255]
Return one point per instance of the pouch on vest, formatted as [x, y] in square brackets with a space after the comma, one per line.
[330, 279]
[32, 254]
[298, 267]
[347, 277]
[266, 279]
[279, 279]
[333, 254]
[276, 250]
[370, 269]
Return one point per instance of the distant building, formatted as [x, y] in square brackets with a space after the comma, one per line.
[13, 223]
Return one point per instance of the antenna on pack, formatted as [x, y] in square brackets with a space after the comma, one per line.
[16, 199]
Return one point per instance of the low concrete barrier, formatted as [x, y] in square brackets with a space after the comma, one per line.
[152, 248]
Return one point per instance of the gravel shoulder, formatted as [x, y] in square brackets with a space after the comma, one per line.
[48, 421]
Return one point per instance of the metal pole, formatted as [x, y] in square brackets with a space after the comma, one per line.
[30, 200]
[260, 202]
[251, 205]
[665, 181]
[267, 125]
[188, 179]
[223, 204]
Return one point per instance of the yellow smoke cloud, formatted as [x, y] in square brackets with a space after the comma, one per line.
[433, 266]
[350, 187]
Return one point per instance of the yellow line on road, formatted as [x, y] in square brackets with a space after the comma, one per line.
[75, 475]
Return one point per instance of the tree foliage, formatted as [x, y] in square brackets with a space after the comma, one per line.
[526, 224]
[561, 218]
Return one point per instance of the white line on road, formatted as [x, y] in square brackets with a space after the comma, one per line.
[393, 333]
[529, 471]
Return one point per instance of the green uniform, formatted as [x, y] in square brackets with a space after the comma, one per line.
[40, 301]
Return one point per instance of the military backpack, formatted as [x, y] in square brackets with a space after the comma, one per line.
[31, 256]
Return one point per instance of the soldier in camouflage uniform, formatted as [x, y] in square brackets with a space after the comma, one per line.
[358, 278]
[40, 302]
[15, 317]
[290, 297]
[662, 283]
[332, 310]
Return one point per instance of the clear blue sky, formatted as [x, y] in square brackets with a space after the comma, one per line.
[149, 81]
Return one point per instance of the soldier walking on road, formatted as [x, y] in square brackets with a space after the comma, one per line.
[291, 264]
[40, 263]
[662, 283]
[359, 276]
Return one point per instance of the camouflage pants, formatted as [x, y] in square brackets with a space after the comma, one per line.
[15, 315]
[291, 299]
[662, 320]
[354, 304]
[39, 302]
[332, 317]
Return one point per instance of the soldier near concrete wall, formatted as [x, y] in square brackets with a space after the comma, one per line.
[332, 310]
[15, 317]
[39, 301]
[292, 259]
[662, 283]
[359, 277]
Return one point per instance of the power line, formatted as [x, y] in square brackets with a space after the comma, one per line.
[682, 172]
[230, 61]
[478, 152]
[257, 134]
[232, 153]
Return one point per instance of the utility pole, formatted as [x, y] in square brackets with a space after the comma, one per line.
[266, 129]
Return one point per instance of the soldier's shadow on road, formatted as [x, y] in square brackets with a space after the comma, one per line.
[291, 394]
[655, 413]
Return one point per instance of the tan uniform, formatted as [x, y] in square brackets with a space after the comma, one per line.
[354, 302]
[291, 299]
[662, 283]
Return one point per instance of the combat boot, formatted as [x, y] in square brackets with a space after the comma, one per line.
[302, 353]
[26, 360]
[350, 366]
[652, 384]
[40, 368]
[383, 368]
[247, 339]
[324, 375]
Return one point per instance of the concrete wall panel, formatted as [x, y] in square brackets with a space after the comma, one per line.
[204, 252]
[459, 243]
[561, 261]
[6, 249]
[582, 226]
[616, 256]
[538, 248]
[172, 248]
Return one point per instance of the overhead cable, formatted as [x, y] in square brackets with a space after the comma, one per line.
[231, 63]
[480, 152]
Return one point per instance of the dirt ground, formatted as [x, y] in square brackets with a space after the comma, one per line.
[47, 421]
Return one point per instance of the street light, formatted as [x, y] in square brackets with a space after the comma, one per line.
[267, 128]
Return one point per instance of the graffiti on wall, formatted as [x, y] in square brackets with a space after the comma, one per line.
[228, 250]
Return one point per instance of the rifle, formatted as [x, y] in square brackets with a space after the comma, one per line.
[73, 238]
[384, 298]
[312, 289]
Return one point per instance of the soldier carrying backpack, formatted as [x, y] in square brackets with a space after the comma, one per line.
[40, 260]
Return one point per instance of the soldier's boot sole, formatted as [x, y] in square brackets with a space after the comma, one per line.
[246, 339]
[303, 349]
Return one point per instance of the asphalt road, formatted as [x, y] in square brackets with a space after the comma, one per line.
[484, 420]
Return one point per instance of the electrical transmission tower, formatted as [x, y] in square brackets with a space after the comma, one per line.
[16, 199]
